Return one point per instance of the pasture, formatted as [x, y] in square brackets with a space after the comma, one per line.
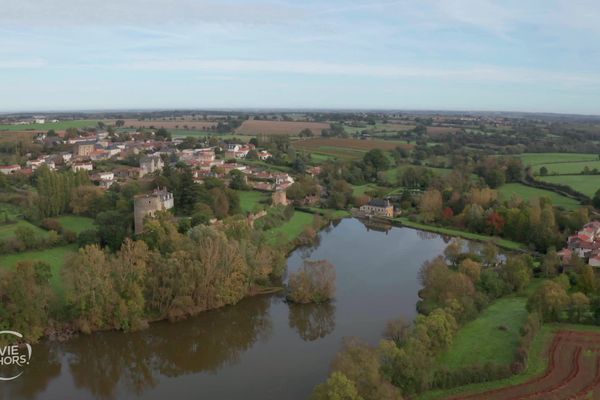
[251, 200]
[534, 159]
[499, 324]
[530, 194]
[586, 184]
[291, 229]
[290, 128]
[55, 257]
[7, 231]
[76, 223]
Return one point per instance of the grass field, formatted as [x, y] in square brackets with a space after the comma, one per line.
[8, 230]
[291, 229]
[499, 345]
[504, 243]
[586, 184]
[360, 190]
[55, 257]
[529, 193]
[250, 199]
[75, 223]
[57, 126]
[392, 174]
[534, 159]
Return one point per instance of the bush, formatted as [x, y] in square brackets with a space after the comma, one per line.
[313, 283]
[51, 224]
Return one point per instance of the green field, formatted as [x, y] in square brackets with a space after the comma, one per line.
[504, 243]
[292, 228]
[534, 159]
[586, 184]
[392, 174]
[529, 193]
[75, 223]
[251, 199]
[58, 126]
[8, 230]
[499, 345]
[55, 257]
[359, 190]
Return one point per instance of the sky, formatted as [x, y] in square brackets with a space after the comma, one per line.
[537, 56]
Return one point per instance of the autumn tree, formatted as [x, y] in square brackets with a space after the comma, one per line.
[314, 282]
[430, 205]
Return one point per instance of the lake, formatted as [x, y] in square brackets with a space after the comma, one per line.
[261, 348]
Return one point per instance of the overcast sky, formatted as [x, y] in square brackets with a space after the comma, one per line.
[421, 54]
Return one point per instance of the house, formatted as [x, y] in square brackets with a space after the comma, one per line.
[148, 205]
[150, 164]
[378, 207]
[264, 155]
[86, 166]
[83, 149]
[10, 169]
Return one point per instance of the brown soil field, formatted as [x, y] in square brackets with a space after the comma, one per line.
[255, 127]
[357, 144]
[441, 130]
[199, 125]
[18, 135]
[395, 127]
[573, 372]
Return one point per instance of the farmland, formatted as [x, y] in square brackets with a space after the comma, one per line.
[586, 184]
[573, 372]
[529, 193]
[256, 127]
[561, 163]
[175, 123]
[58, 126]
[346, 148]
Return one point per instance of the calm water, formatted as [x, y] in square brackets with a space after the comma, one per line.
[261, 348]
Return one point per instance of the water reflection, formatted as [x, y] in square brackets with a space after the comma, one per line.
[312, 321]
[43, 368]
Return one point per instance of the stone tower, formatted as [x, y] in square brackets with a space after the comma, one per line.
[149, 204]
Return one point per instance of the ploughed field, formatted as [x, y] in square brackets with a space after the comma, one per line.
[292, 128]
[573, 372]
[346, 148]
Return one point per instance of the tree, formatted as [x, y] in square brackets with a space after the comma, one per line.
[550, 263]
[543, 171]
[360, 364]
[549, 300]
[397, 330]
[25, 299]
[430, 205]
[89, 289]
[377, 159]
[470, 268]
[314, 282]
[580, 305]
[237, 180]
[517, 272]
[337, 387]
